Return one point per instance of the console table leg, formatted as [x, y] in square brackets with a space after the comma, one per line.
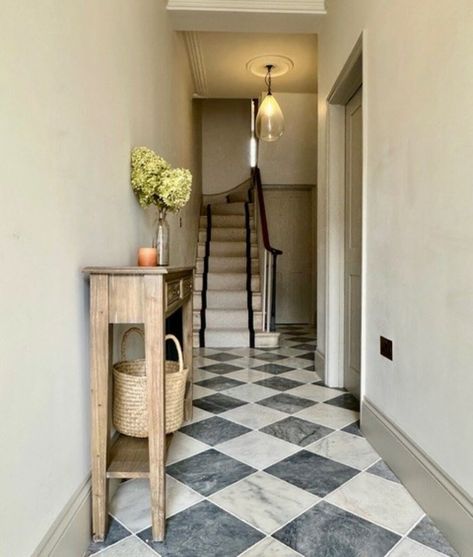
[187, 336]
[155, 358]
[99, 384]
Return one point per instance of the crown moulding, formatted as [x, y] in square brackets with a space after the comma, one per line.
[255, 6]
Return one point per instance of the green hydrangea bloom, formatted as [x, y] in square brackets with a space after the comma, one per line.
[156, 183]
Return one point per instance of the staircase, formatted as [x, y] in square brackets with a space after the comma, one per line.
[227, 289]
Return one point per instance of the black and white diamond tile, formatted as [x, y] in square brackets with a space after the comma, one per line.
[272, 464]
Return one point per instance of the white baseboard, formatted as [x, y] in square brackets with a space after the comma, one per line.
[442, 499]
[319, 362]
[69, 536]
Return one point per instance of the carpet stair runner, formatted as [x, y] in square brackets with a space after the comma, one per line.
[227, 289]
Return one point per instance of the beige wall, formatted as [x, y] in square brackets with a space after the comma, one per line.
[226, 133]
[293, 158]
[418, 216]
[81, 83]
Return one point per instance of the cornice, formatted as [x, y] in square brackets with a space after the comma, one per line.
[196, 60]
[255, 6]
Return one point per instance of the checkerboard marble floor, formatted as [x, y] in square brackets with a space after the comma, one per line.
[272, 465]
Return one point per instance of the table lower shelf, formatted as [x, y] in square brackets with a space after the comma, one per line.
[129, 457]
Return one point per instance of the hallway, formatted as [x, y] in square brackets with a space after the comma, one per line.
[273, 464]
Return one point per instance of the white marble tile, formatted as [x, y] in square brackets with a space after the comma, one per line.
[183, 446]
[301, 375]
[346, 448]
[264, 501]
[201, 375]
[258, 449]
[131, 504]
[269, 547]
[199, 392]
[129, 547]
[179, 496]
[328, 415]
[249, 375]
[251, 392]
[254, 416]
[409, 548]
[386, 503]
[315, 392]
[290, 352]
[295, 362]
[198, 414]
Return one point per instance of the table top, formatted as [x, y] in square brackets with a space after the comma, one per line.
[136, 270]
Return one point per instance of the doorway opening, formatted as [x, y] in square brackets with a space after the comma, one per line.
[344, 278]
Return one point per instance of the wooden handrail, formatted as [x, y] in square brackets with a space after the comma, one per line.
[257, 184]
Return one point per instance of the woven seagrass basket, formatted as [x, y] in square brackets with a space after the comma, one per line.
[130, 402]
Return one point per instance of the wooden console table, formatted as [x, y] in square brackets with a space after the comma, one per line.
[134, 295]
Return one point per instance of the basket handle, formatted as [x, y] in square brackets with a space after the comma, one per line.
[126, 334]
[138, 331]
[179, 351]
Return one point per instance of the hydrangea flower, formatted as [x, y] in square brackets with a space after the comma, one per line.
[156, 183]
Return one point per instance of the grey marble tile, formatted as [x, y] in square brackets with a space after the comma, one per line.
[354, 429]
[215, 430]
[326, 531]
[269, 357]
[314, 473]
[218, 403]
[221, 368]
[381, 469]
[297, 431]
[307, 356]
[115, 533]
[427, 533]
[285, 402]
[347, 401]
[204, 530]
[312, 368]
[279, 383]
[210, 471]
[223, 357]
[305, 346]
[220, 383]
[274, 369]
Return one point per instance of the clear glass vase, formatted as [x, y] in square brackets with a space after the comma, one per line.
[161, 239]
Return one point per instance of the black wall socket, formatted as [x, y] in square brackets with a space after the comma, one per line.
[386, 348]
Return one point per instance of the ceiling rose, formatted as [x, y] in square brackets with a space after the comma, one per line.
[281, 65]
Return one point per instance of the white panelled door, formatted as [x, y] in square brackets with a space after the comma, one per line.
[353, 236]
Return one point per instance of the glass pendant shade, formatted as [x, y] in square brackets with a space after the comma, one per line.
[270, 120]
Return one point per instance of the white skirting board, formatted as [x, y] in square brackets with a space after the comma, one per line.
[442, 499]
[69, 536]
[319, 362]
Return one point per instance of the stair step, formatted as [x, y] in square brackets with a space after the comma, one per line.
[227, 338]
[228, 299]
[227, 265]
[227, 319]
[227, 249]
[238, 196]
[226, 221]
[236, 208]
[227, 235]
[227, 281]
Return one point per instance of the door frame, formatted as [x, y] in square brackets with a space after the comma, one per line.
[350, 79]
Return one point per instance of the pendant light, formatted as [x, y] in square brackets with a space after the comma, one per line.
[270, 119]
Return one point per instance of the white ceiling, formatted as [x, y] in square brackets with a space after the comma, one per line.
[218, 62]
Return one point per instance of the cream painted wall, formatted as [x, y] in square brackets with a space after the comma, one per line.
[293, 158]
[81, 83]
[418, 213]
[226, 134]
